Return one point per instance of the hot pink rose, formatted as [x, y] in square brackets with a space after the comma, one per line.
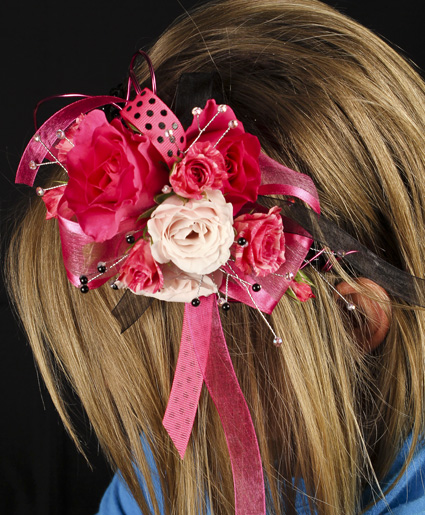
[301, 290]
[202, 168]
[52, 198]
[264, 251]
[140, 272]
[239, 149]
[114, 175]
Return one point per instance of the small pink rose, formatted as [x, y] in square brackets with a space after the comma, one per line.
[52, 198]
[202, 168]
[140, 272]
[264, 252]
[302, 291]
[240, 150]
[65, 144]
[113, 175]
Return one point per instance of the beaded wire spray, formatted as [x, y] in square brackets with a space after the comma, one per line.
[162, 208]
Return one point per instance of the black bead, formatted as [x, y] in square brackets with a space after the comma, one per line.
[196, 302]
[114, 286]
[84, 288]
[83, 279]
[130, 239]
[242, 242]
[225, 306]
[256, 287]
[101, 269]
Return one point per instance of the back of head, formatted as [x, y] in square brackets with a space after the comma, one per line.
[327, 98]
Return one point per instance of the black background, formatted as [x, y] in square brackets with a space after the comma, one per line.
[50, 48]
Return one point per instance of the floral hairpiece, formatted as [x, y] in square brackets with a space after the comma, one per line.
[175, 214]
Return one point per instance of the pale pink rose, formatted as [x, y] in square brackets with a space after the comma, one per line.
[301, 290]
[202, 168]
[140, 273]
[180, 286]
[265, 249]
[65, 145]
[52, 198]
[196, 235]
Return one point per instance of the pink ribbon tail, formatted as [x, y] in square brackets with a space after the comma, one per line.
[203, 331]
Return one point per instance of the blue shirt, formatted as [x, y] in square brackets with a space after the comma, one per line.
[406, 498]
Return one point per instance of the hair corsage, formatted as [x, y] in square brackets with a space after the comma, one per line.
[179, 215]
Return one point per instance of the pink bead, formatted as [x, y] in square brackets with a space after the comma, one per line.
[233, 124]
[196, 111]
[33, 165]
[60, 134]
[222, 108]
[40, 191]
[277, 341]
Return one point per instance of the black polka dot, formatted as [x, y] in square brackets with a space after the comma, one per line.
[143, 93]
[181, 139]
[164, 112]
[178, 152]
[170, 153]
[161, 125]
[149, 113]
[151, 101]
[137, 115]
[139, 103]
[148, 126]
[129, 108]
[175, 126]
[160, 139]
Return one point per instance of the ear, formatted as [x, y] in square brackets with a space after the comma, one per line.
[373, 317]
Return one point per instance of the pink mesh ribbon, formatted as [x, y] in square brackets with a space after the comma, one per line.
[204, 357]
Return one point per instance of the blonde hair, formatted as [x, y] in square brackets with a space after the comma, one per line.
[325, 97]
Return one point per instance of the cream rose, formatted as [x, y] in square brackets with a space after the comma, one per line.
[196, 235]
[183, 287]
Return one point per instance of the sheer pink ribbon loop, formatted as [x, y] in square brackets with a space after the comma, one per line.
[36, 150]
[202, 331]
[277, 179]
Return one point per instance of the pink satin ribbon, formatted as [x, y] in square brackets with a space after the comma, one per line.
[36, 151]
[204, 356]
